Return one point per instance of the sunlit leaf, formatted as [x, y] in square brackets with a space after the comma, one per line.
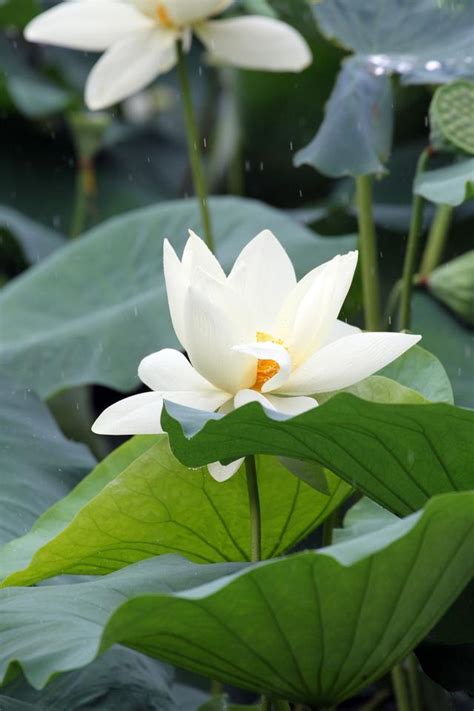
[141, 502]
[350, 611]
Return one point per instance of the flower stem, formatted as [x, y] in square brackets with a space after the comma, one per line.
[400, 688]
[436, 241]
[85, 192]
[254, 507]
[414, 681]
[328, 528]
[193, 147]
[411, 252]
[368, 252]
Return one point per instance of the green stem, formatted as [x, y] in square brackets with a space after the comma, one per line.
[392, 303]
[436, 241]
[84, 194]
[254, 507]
[280, 705]
[328, 528]
[193, 147]
[411, 252]
[414, 682]
[368, 252]
[400, 688]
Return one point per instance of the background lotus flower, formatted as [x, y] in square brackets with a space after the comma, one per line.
[256, 335]
[140, 38]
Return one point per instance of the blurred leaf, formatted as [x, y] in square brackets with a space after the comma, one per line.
[362, 606]
[39, 466]
[450, 341]
[32, 94]
[422, 371]
[121, 680]
[17, 13]
[35, 240]
[113, 309]
[356, 134]
[453, 284]
[400, 455]
[451, 185]
[451, 114]
[134, 496]
[393, 36]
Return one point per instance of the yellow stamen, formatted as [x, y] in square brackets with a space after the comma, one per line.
[163, 16]
[267, 368]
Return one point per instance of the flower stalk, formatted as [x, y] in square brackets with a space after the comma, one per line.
[411, 252]
[194, 150]
[368, 252]
[436, 241]
[254, 508]
[400, 688]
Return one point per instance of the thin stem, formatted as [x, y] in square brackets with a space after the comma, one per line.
[280, 705]
[436, 241]
[216, 688]
[414, 682]
[193, 147]
[368, 252]
[254, 507]
[85, 192]
[411, 252]
[392, 302]
[400, 688]
[328, 528]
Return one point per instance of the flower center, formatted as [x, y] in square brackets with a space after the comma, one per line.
[163, 16]
[266, 369]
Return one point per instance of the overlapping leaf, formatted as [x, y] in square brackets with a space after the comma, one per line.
[398, 454]
[314, 627]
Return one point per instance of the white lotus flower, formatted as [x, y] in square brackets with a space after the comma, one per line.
[139, 38]
[256, 335]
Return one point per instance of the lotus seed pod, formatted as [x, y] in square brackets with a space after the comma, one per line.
[451, 117]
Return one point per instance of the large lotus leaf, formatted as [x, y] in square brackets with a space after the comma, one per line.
[120, 680]
[113, 308]
[426, 42]
[36, 241]
[141, 502]
[30, 92]
[451, 185]
[450, 341]
[356, 135]
[398, 454]
[314, 627]
[39, 465]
